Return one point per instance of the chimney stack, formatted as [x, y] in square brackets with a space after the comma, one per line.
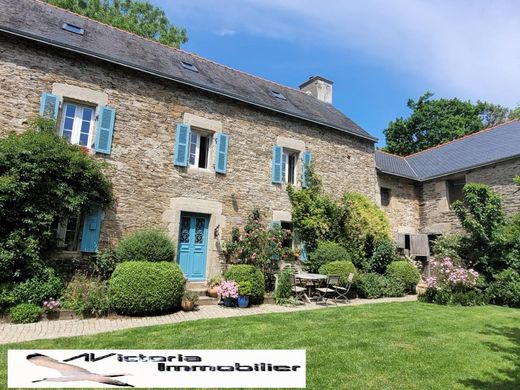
[319, 87]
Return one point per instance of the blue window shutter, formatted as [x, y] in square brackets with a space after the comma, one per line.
[303, 251]
[305, 165]
[91, 230]
[221, 155]
[105, 129]
[182, 144]
[277, 164]
[49, 105]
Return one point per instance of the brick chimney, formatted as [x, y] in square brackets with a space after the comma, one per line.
[319, 87]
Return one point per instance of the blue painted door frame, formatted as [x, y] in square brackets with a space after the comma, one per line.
[193, 245]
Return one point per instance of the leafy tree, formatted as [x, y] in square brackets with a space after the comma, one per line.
[434, 122]
[42, 178]
[139, 17]
[480, 214]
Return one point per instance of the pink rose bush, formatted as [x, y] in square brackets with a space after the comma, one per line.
[445, 274]
[228, 289]
[451, 284]
[51, 305]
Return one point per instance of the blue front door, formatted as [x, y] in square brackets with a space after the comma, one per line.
[193, 245]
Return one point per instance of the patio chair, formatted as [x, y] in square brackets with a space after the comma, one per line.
[298, 291]
[328, 291]
[341, 292]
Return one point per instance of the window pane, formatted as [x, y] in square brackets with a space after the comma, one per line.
[291, 166]
[284, 166]
[70, 110]
[87, 114]
[83, 139]
[67, 134]
[85, 126]
[68, 123]
[193, 148]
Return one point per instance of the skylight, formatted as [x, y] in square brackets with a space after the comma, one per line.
[187, 65]
[278, 95]
[73, 29]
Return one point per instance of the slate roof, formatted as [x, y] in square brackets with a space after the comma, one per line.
[41, 22]
[485, 147]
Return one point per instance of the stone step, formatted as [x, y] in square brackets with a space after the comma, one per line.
[196, 285]
[205, 300]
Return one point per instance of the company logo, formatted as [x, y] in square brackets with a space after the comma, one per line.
[157, 368]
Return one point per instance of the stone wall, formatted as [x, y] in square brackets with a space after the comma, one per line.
[146, 184]
[435, 213]
[403, 209]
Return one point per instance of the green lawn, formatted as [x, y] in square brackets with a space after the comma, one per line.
[386, 346]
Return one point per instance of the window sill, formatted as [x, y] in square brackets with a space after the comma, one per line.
[200, 171]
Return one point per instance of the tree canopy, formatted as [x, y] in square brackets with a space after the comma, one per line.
[435, 121]
[139, 17]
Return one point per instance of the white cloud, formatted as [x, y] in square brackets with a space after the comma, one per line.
[469, 49]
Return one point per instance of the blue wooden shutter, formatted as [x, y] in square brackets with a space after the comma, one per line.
[91, 230]
[182, 139]
[277, 164]
[221, 155]
[105, 129]
[305, 166]
[49, 105]
[303, 251]
[275, 224]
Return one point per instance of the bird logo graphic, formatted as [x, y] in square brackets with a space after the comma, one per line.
[71, 373]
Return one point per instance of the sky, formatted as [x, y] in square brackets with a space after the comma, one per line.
[378, 53]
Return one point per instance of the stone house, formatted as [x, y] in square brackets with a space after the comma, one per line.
[193, 145]
[417, 191]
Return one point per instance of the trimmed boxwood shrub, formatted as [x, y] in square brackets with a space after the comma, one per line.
[25, 313]
[405, 272]
[341, 268]
[326, 252]
[245, 272]
[505, 290]
[140, 287]
[39, 288]
[372, 285]
[146, 245]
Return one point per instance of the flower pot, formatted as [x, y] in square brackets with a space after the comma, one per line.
[212, 291]
[52, 315]
[243, 301]
[187, 305]
[228, 302]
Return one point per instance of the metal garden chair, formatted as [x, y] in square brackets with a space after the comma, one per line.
[325, 292]
[298, 291]
[341, 292]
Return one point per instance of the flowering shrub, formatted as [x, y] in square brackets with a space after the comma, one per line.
[257, 244]
[452, 284]
[50, 305]
[228, 289]
[445, 274]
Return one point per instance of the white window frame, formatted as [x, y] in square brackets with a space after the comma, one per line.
[63, 228]
[209, 148]
[77, 121]
[286, 155]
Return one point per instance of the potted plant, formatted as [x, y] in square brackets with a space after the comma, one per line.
[50, 307]
[244, 291]
[213, 284]
[189, 300]
[228, 291]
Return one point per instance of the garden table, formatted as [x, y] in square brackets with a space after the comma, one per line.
[310, 282]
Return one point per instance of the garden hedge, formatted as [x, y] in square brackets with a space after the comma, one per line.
[372, 285]
[245, 272]
[25, 313]
[326, 252]
[341, 268]
[146, 245]
[405, 272]
[141, 287]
